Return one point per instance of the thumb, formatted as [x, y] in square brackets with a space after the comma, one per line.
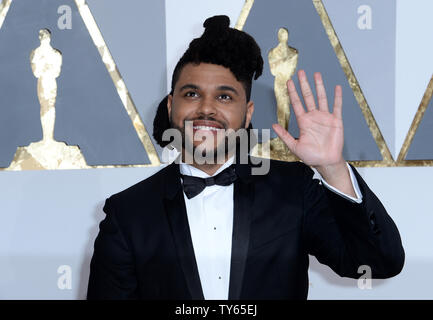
[285, 136]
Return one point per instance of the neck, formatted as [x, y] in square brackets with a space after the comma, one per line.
[209, 168]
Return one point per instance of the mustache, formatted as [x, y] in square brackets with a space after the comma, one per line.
[223, 124]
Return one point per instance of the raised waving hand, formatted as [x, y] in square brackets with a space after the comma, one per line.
[321, 134]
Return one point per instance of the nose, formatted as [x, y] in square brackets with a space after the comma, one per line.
[207, 107]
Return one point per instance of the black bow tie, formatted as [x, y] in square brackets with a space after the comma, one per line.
[192, 186]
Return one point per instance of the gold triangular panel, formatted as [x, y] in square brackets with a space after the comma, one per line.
[41, 90]
[287, 11]
[417, 148]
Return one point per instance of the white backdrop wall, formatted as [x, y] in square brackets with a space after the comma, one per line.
[49, 219]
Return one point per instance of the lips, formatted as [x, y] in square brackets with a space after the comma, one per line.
[207, 125]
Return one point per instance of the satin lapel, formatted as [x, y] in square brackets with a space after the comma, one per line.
[242, 208]
[177, 217]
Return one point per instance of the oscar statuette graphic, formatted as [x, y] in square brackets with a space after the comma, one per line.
[48, 154]
[283, 61]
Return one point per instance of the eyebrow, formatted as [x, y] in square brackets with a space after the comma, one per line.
[189, 86]
[220, 88]
[228, 88]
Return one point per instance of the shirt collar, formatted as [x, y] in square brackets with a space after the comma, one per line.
[189, 170]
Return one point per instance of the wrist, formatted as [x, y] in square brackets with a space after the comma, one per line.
[333, 172]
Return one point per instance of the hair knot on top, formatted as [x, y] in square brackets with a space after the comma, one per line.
[216, 23]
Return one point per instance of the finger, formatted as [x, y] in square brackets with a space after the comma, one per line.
[294, 99]
[322, 100]
[306, 91]
[285, 136]
[338, 102]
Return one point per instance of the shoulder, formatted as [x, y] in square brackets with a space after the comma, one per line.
[277, 174]
[281, 169]
[138, 208]
[148, 188]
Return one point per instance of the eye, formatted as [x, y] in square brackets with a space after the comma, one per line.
[191, 94]
[224, 97]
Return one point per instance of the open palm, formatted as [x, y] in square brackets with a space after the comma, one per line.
[321, 135]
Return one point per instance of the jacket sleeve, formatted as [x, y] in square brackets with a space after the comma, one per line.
[112, 270]
[345, 235]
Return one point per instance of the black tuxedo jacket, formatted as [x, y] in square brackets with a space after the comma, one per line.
[144, 248]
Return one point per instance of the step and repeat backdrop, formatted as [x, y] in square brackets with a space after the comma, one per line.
[80, 82]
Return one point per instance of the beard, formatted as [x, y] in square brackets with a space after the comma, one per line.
[219, 151]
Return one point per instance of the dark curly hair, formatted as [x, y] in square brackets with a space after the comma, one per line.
[221, 45]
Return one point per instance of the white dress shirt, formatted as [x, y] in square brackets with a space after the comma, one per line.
[210, 218]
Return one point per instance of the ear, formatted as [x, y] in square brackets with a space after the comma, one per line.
[169, 103]
[249, 115]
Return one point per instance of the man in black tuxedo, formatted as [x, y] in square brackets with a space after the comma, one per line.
[217, 231]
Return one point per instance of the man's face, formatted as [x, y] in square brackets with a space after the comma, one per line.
[210, 96]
